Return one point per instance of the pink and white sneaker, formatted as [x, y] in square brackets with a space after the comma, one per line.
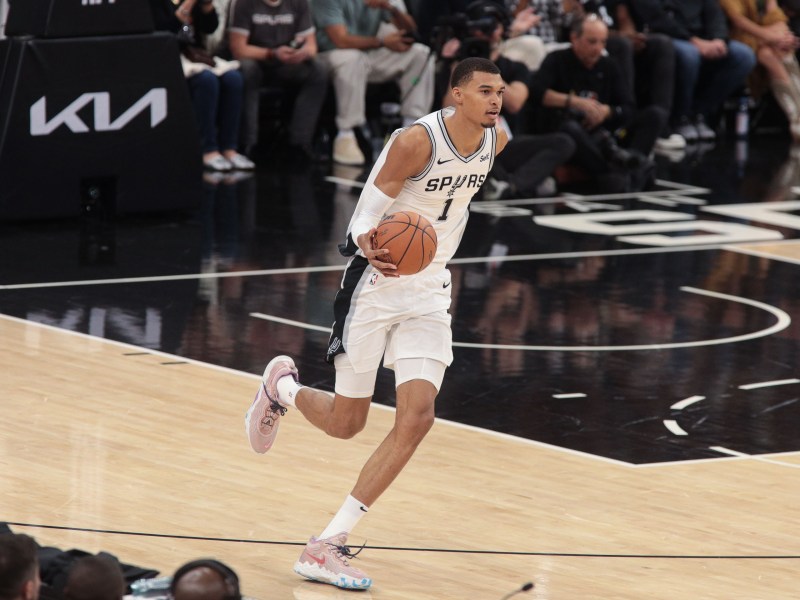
[263, 417]
[325, 560]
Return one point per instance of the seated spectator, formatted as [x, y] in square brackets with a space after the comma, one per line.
[205, 579]
[525, 167]
[583, 93]
[94, 578]
[762, 25]
[370, 41]
[708, 66]
[215, 85]
[274, 40]
[653, 68]
[19, 567]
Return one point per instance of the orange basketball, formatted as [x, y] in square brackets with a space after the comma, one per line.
[410, 239]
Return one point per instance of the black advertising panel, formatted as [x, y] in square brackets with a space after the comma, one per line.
[113, 110]
[72, 18]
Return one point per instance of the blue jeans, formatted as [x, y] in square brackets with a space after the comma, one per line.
[217, 103]
[701, 86]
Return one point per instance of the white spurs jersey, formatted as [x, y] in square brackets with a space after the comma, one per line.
[442, 192]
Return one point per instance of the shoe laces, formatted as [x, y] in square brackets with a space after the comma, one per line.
[344, 552]
[274, 406]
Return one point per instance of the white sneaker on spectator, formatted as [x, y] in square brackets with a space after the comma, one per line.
[347, 152]
[241, 162]
[704, 132]
[217, 163]
[547, 188]
[687, 130]
[672, 142]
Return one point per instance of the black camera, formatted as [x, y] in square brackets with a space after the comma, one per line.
[482, 16]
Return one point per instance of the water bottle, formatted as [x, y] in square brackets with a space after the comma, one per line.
[143, 587]
[743, 117]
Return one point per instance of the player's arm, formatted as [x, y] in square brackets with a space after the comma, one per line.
[502, 140]
[408, 156]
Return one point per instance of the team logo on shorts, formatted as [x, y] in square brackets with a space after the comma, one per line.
[373, 279]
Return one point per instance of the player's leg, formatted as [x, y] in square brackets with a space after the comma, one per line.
[413, 419]
[342, 414]
[325, 558]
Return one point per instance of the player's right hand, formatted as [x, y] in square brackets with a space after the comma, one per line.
[366, 241]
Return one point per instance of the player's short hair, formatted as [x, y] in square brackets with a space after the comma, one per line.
[464, 70]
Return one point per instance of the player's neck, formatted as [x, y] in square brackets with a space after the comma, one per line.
[466, 135]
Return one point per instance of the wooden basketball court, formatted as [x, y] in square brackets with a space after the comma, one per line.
[143, 454]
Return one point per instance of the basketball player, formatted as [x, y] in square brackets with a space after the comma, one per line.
[433, 167]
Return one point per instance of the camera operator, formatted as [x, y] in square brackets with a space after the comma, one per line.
[525, 167]
[583, 93]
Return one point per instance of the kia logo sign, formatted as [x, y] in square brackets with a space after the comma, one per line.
[155, 100]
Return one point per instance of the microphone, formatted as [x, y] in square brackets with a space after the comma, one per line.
[525, 588]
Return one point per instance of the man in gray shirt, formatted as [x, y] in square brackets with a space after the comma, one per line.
[274, 41]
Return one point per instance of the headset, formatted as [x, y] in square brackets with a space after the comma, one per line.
[228, 575]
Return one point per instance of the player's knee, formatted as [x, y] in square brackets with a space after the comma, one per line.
[346, 429]
[414, 426]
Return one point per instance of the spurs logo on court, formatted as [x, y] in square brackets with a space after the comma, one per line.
[155, 100]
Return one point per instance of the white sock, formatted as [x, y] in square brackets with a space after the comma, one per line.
[348, 516]
[287, 390]
[345, 133]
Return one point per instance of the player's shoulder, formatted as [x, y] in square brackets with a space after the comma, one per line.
[413, 139]
[502, 140]
[411, 148]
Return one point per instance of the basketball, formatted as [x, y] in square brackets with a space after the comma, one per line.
[410, 239]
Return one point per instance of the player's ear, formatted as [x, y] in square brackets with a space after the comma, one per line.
[456, 93]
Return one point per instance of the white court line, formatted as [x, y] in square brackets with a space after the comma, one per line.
[728, 451]
[573, 395]
[783, 321]
[673, 426]
[687, 402]
[324, 269]
[763, 384]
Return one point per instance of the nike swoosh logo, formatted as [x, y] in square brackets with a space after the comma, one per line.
[319, 561]
[446, 285]
[441, 162]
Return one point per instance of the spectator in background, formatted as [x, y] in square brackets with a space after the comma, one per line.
[19, 567]
[371, 41]
[95, 578]
[274, 40]
[653, 67]
[584, 94]
[708, 66]
[205, 579]
[215, 85]
[762, 25]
